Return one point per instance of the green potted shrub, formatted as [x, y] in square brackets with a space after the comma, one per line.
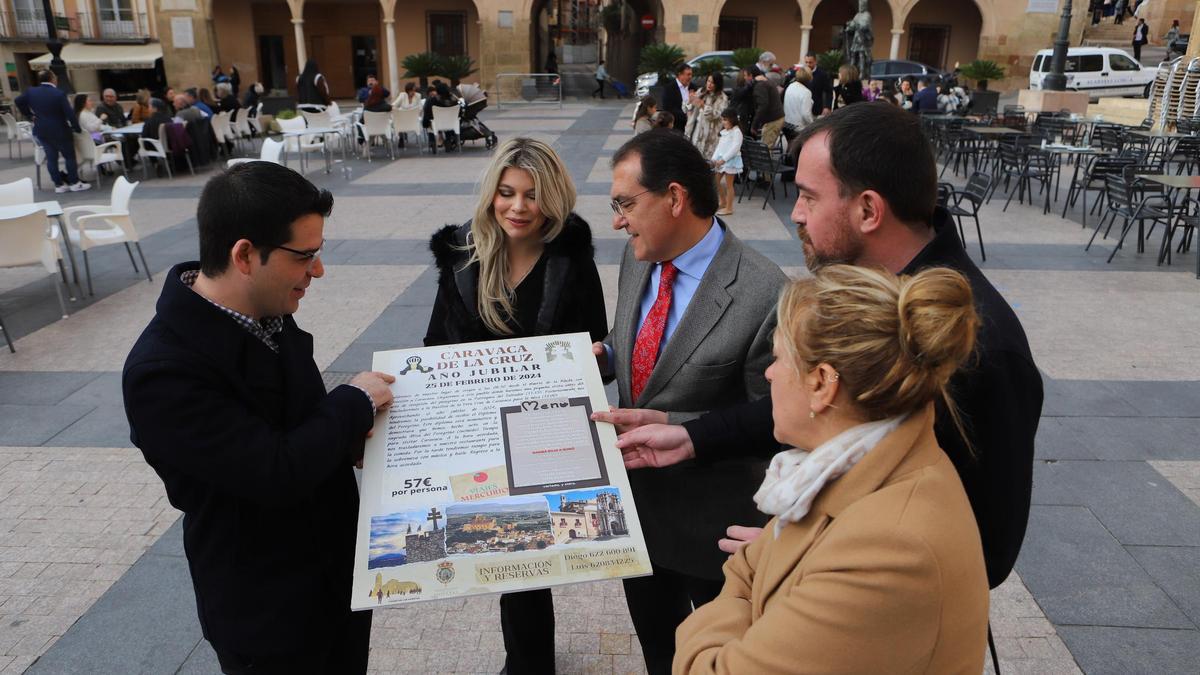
[456, 68]
[746, 56]
[981, 71]
[660, 58]
[703, 69]
[830, 61]
[422, 66]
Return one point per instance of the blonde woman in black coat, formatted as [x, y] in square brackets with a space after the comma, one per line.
[522, 266]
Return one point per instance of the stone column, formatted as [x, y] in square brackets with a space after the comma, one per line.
[894, 52]
[389, 30]
[297, 7]
[805, 32]
[301, 52]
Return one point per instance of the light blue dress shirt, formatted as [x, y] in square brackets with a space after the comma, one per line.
[691, 266]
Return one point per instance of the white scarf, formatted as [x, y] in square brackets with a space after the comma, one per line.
[795, 477]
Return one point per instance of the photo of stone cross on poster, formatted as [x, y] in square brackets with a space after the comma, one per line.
[487, 475]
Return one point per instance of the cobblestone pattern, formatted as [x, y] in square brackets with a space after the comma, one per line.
[72, 521]
[1025, 640]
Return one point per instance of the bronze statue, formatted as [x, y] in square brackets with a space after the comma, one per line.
[858, 40]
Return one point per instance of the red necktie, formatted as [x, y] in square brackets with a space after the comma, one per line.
[649, 338]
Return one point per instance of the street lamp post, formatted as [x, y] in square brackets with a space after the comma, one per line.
[57, 65]
[1056, 80]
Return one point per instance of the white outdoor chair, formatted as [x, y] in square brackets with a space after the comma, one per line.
[223, 130]
[302, 145]
[445, 121]
[24, 241]
[87, 152]
[18, 132]
[17, 192]
[317, 119]
[241, 126]
[311, 107]
[102, 225]
[376, 125]
[271, 151]
[406, 122]
[254, 121]
[154, 149]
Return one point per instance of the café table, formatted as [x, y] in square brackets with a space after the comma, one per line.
[53, 210]
[317, 131]
[1070, 151]
[128, 130]
[1176, 185]
[994, 131]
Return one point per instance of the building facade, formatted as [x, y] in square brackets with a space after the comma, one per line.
[108, 43]
[120, 42]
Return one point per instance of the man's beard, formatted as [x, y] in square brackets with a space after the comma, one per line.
[846, 248]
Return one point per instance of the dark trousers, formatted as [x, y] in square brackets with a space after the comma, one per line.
[658, 604]
[527, 620]
[65, 147]
[599, 88]
[345, 651]
[1137, 54]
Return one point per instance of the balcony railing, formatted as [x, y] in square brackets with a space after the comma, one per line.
[31, 25]
[109, 25]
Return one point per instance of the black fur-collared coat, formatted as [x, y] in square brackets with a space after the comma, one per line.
[571, 297]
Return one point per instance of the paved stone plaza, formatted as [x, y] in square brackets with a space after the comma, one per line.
[92, 573]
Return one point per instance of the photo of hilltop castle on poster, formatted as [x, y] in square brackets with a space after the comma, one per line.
[487, 475]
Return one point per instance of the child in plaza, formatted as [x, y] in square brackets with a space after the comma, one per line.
[522, 266]
[727, 160]
[642, 114]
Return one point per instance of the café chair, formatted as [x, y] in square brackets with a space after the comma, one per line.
[24, 242]
[105, 224]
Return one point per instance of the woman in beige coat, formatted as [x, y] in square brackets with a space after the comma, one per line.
[873, 562]
[704, 122]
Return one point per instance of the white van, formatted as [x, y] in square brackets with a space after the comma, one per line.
[1099, 71]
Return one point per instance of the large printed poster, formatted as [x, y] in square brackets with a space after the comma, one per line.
[488, 475]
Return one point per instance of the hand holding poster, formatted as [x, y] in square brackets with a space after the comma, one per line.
[488, 475]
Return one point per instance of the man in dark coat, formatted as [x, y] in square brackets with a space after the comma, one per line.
[821, 87]
[228, 407]
[889, 220]
[54, 126]
[675, 94]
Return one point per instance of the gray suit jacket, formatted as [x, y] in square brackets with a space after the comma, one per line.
[714, 359]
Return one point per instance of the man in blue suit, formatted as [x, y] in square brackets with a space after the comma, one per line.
[53, 123]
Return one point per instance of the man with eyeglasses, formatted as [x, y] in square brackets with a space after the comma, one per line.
[692, 332]
[227, 405]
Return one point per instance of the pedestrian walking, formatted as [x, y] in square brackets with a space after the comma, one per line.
[601, 78]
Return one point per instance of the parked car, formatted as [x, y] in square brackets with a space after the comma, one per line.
[898, 69]
[647, 80]
[1099, 71]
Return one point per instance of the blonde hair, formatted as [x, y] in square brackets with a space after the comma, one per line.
[803, 75]
[894, 341]
[847, 73]
[555, 194]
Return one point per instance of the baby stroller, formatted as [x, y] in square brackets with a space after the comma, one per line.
[620, 88]
[473, 101]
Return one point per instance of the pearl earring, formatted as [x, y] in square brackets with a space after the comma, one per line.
[812, 414]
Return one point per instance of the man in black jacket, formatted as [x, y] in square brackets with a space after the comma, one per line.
[228, 407]
[821, 87]
[675, 94]
[876, 156]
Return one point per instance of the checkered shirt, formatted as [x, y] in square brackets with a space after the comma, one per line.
[264, 329]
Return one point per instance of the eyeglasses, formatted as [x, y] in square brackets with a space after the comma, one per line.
[619, 206]
[309, 256]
